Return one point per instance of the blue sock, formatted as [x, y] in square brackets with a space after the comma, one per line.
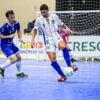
[57, 68]
[66, 57]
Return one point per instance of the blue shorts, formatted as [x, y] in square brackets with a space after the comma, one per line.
[9, 49]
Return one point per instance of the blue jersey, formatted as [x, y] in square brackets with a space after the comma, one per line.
[7, 29]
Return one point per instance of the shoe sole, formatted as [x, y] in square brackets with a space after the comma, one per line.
[1, 75]
[23, 76]
[62, 81]
[75, 70]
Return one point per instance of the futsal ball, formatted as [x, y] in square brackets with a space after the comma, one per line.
[68, 71]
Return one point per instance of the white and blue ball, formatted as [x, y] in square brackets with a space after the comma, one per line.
[68, 71]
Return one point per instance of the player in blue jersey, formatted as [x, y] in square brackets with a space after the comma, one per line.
[7, 33]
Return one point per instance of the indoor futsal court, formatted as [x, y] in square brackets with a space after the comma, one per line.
[42, 82]
[49, 49]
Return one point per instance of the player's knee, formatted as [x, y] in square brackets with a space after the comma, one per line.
[13, 59]
[53, 59]
[62, 47]
[18, 58]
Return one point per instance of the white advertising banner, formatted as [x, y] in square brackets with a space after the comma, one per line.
[88, 46]
[31, 53]
[80, 46]
[25, 49]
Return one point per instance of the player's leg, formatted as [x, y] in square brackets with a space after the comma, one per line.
[57, 51]
[8, 63]
[18, 65]
[51, 50]
[18, 62]
[56, 66]
[9, 54]
[62, 46]
[71, 57]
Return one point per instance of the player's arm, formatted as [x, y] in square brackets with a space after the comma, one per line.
[20, 37]
[33, 37]
[19, 33]
[62, 24]
[5, 37]
[69, 31]
[37, 26]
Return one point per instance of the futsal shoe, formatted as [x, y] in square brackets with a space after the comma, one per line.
[1, 72]
[21, 75]
[63, 78]
[74, 68]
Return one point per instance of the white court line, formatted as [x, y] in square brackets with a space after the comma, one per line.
[32, 66]
[90, 70]
[47, 67]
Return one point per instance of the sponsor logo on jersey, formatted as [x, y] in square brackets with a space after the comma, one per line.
[13, 29]
[43, 25]
[47, 20]
[52, 21]
[2, 30]
[11, 51]
[10, 32]
[7, 25]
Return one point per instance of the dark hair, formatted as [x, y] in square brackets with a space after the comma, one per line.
[10, 12]
[43, 7]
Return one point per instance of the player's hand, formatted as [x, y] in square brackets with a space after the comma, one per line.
[20, 40]
[32, 44]
[70, 32]
[12, 35]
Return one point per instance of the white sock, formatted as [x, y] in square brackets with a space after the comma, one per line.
[6, 64]
[18, 65]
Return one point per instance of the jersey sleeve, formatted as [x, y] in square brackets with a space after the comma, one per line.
[60, 23]
[37, 24]
[2, 30]
[18, 27]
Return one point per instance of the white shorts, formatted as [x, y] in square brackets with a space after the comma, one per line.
[52, 44]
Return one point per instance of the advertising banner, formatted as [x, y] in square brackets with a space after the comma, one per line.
[79, 45]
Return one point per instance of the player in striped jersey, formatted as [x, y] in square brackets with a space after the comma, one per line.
[48, 23]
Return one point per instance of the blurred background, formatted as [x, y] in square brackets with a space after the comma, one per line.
[25, 10]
